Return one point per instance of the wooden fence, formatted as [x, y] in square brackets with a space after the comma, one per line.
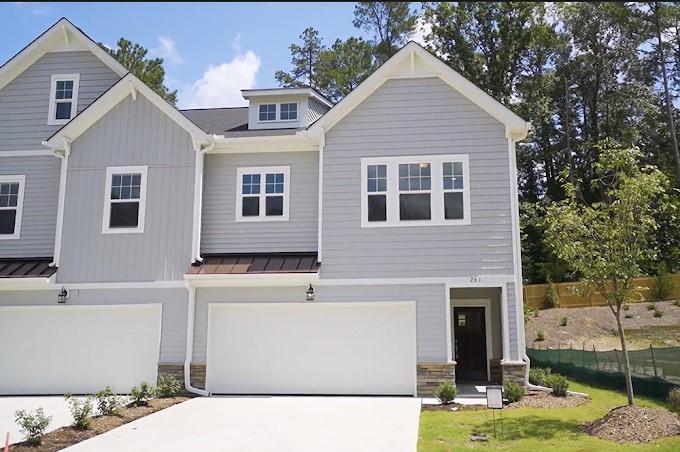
[568, 295]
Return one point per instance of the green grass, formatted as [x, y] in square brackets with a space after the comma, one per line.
[532, 428]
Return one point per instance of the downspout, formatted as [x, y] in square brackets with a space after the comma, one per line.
[61, 201]
[191, 310]
[198, 201]
[322, 144]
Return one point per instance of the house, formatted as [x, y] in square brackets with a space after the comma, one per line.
[291, 246]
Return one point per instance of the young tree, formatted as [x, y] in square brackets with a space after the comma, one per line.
[305, 60]
[608, 241]
[391, 24]
[150, 71]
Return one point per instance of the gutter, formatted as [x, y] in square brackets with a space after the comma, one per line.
[322, 145]
[191, 310]
[61, 201]
[198, 200]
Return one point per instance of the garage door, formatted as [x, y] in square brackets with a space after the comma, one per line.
[78, 349]
[305, 348]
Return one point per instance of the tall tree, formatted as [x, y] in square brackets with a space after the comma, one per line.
[390, 23]
[305, 60]
[344, 66]
[148, 70]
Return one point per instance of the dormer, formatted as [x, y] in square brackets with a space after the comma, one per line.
[284, 108]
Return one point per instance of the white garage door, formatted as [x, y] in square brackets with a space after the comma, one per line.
[307, 348]
[78, 349]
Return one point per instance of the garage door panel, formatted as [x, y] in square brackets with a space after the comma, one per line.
[79, 349]
[302, 348]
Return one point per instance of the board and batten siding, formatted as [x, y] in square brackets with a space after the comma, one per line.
[221, 233]
[39, 217]
[134, 132]
[173, 321]
[430, 309]
[411, 117]
[25, 100]
[514, 324]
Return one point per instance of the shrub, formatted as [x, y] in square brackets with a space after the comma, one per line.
[559, 385]
[140, 395]
[168, 386]
[32, 424]
[674, 400]
[551, 299]
[651, 307]
[658, 313]
[626, 307]
[540, 336]
[446, 392]
[563, 321]
[108, 403]
[628, 316]
[528, 313]
[539, 375]
[81, 411]
[663, 283]
[677, 303]
[513, 391]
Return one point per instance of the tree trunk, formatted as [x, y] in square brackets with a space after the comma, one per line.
[626, 362]
[567, 131]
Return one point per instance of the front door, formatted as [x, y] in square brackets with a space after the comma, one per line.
[470, 343]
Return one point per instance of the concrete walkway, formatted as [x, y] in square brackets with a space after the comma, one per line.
[262, 424]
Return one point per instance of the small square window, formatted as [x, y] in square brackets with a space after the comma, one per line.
[124, 215]
[274, 206]
[63, 110]
[125, 203]
[288, 112]
[251, 184]
[377, 208]
[263, 193]
[250, 206]
[63, 98]
[274, 183]
[414, 206]
[453, 205]
[268, 112]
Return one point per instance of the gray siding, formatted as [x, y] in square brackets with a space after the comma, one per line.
[174, 324]
[25, 100]
[411, 117]
[132, 133]
[41, 195]
[430, 309]
[315, 110]
[514, 323]
[222, 234]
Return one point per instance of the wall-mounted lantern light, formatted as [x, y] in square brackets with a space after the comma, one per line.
[310, 293]
[62, 296]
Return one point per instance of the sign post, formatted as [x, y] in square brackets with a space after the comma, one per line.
[494, 401]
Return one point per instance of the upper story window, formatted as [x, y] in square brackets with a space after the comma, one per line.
[125, 199]
[268, 112]
[11, 206]
[289, 112]
[412, 191]
[63, 98]
[263, 193]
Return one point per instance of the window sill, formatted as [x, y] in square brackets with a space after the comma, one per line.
[261, 219]
[9, 237]
[123, 231]
[58, 122]
[412, 223]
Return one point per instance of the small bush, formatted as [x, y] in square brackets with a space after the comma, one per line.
[559, 385]
[32, 424]
[551, 299]
[539, 375]
[563, 321]
[626, 307]
[674, 400]
[108, 403]
[651, 307]
[663, 287]
[658, 313]
[677, 303]
[540, 336]
[140, 395]
[446, 392]
[81, 411]
[168, 386]
[536, 312]
[628, 316]
[513, 391]
[528, 313]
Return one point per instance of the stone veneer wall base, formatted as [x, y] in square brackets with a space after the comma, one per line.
[514, 372]
[431, 375]
[177, 371]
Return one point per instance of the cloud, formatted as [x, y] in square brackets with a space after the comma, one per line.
[423, 29]
[167, 50]
[221, 85]
[35, 8]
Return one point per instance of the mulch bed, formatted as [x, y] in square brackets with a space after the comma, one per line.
[541, 399]
[633, 424]
[67, 436]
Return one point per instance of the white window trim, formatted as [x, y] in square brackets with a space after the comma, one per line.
[51, 111]
[297, 110]
[276, 112]
[262, 171]
[110, 171]
[21, 179]
[436, 192]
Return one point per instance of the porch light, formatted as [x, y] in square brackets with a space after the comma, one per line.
[62, 295]
[310, 293]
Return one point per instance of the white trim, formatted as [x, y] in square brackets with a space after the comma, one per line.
[84, 307]
[447, 318]
[477, 303]
[276, 112]
[504, 321]
[63, 174]
[28, 153]
[51, 110]
[436, 190]
[319, 224]
[19, 208]
[50, 284]
[26, 283]
[110, 171]
[249, 280]
[198, 203]
[309, 92]
[297, 111]
[189, 351]
[264, 144]
[262, 171]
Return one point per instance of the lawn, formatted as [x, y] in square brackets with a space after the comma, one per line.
[532, 428]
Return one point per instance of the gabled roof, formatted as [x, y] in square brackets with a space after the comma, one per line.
[413, 61]
[61, 36]
[284, 91]
[126, 86]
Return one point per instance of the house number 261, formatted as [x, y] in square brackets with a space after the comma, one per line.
[475, 279]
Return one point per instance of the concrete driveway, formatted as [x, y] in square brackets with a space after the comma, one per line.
[54, 406]
[262, 424]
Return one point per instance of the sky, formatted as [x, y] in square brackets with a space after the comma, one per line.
[211, 51]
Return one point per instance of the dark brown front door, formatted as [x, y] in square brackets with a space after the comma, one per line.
[470, 342]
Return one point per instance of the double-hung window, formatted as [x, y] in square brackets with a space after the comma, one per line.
[267, 112]
[263, 193]
[426, 190]
[63, 98]
[125, 199]
[289, 112]
[11, 205]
